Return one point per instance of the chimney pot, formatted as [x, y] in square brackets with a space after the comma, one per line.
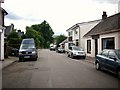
[104, 16]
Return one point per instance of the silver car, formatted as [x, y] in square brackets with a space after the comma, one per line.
[28, 50]
[75, 51]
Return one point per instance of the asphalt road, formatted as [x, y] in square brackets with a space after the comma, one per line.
[54, 70]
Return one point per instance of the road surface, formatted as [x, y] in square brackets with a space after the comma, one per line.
[55, 70]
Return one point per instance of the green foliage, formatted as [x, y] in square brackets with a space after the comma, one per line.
[13, 34]
[31, 33]
[13, 39]
[59, 39]
[43, 32]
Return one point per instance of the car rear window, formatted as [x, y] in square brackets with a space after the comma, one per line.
[105, 53]
[77, 48]
[118, 53]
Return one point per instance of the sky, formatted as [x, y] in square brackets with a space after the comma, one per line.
[60, 14]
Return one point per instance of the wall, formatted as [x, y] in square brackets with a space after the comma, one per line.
[1, 35]
[117, 43]
[115, 34]
[1, 16]
[84, 28]
[2, 45]
[119, 39]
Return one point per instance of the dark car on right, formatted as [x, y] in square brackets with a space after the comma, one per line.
[109, 59]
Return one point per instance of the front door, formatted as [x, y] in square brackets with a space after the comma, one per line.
[96, 47]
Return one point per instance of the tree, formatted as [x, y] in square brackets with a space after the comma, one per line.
[13, 39]
[59, 39]
[46, 31]
[31, 33]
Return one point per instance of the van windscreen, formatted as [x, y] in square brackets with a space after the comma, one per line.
[28, 42]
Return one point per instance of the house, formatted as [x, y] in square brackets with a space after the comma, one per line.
[77, 31]
[2, 14]
[20, 33]
[8, 29]
[105, 35]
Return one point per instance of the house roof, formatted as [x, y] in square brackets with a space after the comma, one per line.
[77, 25]
[110, 24]
[4, 11]
[65, 41]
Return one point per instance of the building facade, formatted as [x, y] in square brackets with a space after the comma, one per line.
[105, 35]
[2, 14]
[77, 31]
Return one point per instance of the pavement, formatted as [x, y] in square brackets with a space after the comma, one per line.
[90, 59]
[8, 61]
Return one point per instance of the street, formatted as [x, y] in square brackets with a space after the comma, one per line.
[56, 70]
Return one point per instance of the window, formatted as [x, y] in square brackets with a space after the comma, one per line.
[77, 43]
[76, 32]
[111, 53]
[70, 33]
[118, 53]
[88, 46]
[105, 53]
[108, 43]
[70, 48]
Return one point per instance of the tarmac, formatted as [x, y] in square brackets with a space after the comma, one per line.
[10, 60]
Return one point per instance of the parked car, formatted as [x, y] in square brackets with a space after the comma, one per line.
[28, 50]
[60, 50]
[75, 51]
[52, 47]
[109, 59]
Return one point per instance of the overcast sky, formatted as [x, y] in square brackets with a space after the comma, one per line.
[60, 14]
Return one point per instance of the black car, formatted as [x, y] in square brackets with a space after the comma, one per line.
[28, 50]
[109, 59]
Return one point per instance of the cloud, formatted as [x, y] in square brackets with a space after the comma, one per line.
[12, 16]
[107, 1]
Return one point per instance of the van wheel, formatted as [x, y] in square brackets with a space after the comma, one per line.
[98, 66]
[35, 59]
[20, 60]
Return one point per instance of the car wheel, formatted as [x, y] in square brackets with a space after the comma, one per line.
[20, 60]
[84, 57]
[98, 66]
[72, 56]
[68, 55]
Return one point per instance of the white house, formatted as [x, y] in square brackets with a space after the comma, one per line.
[77, 31]
[2, 14]
[105, 35]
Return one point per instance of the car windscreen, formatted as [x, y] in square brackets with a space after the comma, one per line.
[118, 53]
[77, 49]
[28, 46]
[28, 42]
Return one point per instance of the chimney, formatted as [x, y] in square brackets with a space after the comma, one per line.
[104, 16]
